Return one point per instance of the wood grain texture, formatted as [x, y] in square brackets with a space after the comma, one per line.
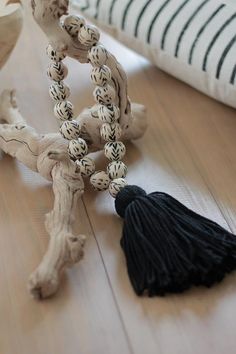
[189, 151]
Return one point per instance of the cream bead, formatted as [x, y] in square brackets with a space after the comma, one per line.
[70, 129]
[54, 55]
[100, 180]
[104, 95]
[98, 55]
[116, 185]
[88, 35]
[111, 132]
[77, 149]
[117, 169]
[72, 24]
[109, 113]
[64, 110]
[58, 91]
[57, 71]
[100, 75]
[114, 151]
[87, 166]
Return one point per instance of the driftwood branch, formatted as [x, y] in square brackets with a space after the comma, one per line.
[47, 154]
[65, 249]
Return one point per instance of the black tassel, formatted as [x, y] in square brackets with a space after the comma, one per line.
[168, 247]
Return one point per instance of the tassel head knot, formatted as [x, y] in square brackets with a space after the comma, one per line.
[126, 196]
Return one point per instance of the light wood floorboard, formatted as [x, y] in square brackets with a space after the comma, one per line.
[189, 151]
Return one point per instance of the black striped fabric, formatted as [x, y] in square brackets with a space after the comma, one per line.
[200, 33]
[111, 8]
[154, 20]
[145, 6]
[202, 29]
[85, 6]
[232, 77]
[187, 24]
[125, 13]
[97, 9]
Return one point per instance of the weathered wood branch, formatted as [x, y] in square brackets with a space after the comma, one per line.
[47, 154]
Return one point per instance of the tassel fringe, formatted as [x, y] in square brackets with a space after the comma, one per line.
[168, 247]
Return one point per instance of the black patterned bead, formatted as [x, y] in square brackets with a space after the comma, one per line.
[114, 151]
[77, 149]
[57, 71]
[100, 180]
[70, 129]
[63, 110]
[58, 91]
[72, 24]
[117, 169]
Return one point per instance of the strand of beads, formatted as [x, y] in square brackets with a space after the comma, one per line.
[63, 110]
[108, 112]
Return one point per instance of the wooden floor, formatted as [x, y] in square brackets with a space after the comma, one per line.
[188, 151]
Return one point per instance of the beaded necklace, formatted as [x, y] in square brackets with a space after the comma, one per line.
[107, 111]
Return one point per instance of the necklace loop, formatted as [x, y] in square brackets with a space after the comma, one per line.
[106, 109]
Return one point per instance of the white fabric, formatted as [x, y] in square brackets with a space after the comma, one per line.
[193, 40]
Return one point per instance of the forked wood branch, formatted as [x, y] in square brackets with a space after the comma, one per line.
[47, 154]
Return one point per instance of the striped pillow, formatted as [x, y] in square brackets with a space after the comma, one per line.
[193, 40]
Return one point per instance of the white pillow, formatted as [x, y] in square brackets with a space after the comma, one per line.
[193, 40]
